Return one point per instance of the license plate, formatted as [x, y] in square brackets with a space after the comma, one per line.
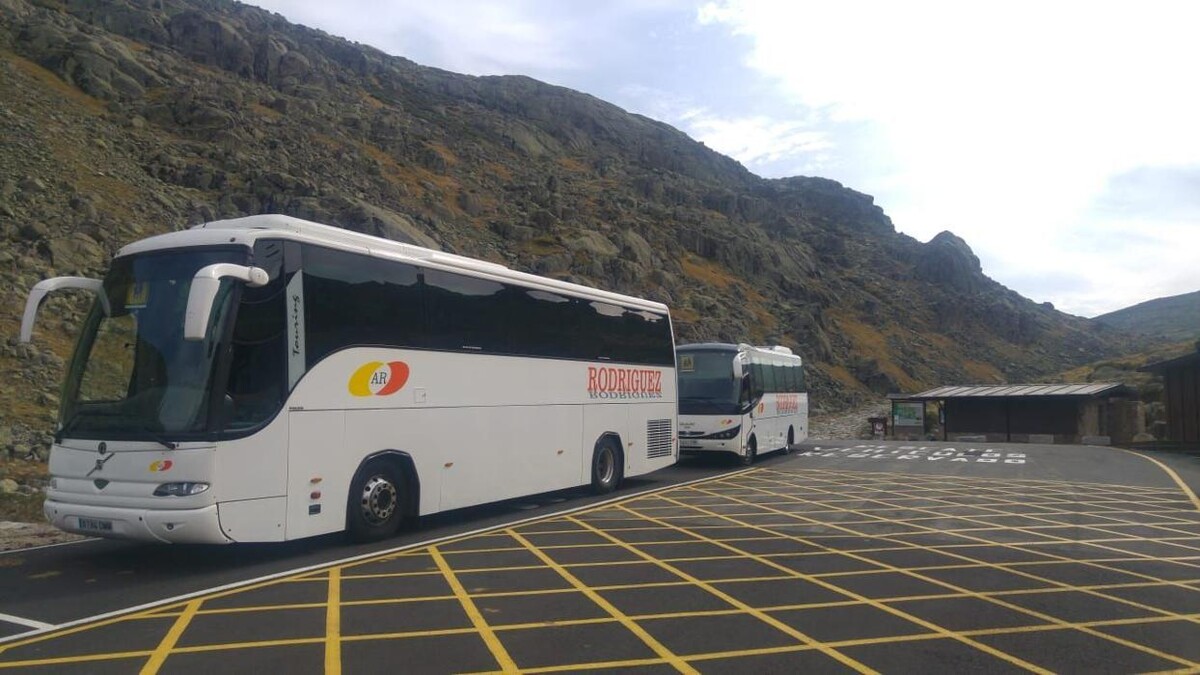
[95, 525]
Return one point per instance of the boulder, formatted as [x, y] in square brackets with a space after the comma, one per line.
[592, 244]
[76, 252]
[948, 260]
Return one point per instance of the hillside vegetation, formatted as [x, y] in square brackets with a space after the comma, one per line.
[123, 119]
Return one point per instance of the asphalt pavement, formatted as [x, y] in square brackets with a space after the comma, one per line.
[848, 556]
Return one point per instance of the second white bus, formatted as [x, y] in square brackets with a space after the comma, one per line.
[740, 399]
[268, 378]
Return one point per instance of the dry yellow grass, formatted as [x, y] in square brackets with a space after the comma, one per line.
[573, 165]
[685, 315]
[445, 153]
[870, 343]
[542, 246]
[982, 373]
[498, 170]
[265, 111]
[706, 271]
[54, 83]
[840, 374]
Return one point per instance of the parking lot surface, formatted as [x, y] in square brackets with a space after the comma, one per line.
[813, 563]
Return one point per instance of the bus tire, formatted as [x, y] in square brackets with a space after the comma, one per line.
[751, 451]
[376, 502]
[607, 467]
[791, 440]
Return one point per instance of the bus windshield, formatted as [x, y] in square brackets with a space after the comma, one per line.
[133, 375]
[708, 384]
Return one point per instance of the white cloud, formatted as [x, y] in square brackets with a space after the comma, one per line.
[474, 37]
[1005, 121]
[758, 139]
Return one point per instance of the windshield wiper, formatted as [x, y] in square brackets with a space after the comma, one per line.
[170, 445]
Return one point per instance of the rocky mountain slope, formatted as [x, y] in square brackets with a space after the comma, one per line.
[126, 118]
[1173, 318]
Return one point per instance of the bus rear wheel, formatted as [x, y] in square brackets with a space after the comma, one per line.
[375, 506]
[606, 467]
[791, 440]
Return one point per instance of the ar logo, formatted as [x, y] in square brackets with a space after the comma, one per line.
[378, 378]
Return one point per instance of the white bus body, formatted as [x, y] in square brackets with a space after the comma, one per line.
[331, 380]
[740, 399]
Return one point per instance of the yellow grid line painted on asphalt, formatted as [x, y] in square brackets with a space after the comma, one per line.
[493, 643]
[1006, 545]
[1046, 617]
[944, 632]
[1034, 482]
[333, 623]
[757, 613]
[643, 617]
[1187, 490]
[159, 655]
[1060, 540]
[752, 494]
[633, 627]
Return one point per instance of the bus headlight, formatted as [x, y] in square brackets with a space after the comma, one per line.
[180, 489]
[725, 435]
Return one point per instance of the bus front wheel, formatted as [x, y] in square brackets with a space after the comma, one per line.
[375, 507]
[606, 467]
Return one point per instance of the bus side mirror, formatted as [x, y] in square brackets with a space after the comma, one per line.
[41, 288]
[204, 289]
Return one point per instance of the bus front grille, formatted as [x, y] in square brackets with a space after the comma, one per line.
[658, 438]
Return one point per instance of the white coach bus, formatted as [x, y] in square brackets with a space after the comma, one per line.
[267, 378]
[740, 399]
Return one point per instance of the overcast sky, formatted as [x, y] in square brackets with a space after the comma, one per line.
[1060, 139]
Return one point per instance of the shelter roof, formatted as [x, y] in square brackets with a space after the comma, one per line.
[1086, 390]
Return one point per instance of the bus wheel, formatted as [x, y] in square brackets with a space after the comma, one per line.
[751, 452]
[374, 510]
[606, 467]
[787, 449]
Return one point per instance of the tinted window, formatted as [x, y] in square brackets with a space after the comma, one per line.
[352, 299]
[467, 312]
[541, 323]
[613, 333]
[258, 352]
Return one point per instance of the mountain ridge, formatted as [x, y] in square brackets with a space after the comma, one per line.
[1173, 318]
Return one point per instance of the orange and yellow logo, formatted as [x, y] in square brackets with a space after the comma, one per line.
[378, 378]
[161, 465]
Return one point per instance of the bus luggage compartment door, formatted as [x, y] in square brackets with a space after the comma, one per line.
[319, 472]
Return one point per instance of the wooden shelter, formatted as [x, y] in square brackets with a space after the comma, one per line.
[1097, 413]
[1181, 394]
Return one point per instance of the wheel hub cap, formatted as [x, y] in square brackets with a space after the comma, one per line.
[378, 500]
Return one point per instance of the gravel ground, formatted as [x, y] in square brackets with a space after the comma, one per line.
[847, 425]
[27, 535]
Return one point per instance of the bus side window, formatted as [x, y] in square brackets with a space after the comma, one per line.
[354, 300]
[256, 381]
[465, 313]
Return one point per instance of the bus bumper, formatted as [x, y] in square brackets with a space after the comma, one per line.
[695, 446]
[184, 526]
